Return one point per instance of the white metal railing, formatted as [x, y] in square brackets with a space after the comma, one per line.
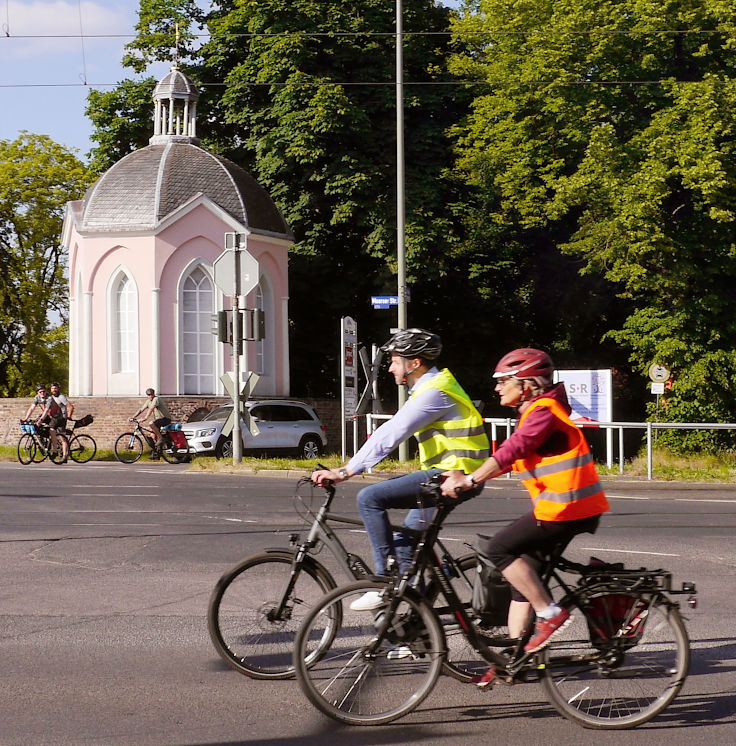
[508, 424]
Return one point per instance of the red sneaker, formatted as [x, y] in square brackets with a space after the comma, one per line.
[546, 629]
[487, 680]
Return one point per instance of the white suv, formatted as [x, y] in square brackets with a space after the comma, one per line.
[283, 426]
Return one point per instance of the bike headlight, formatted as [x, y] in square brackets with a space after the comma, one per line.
[206, 433]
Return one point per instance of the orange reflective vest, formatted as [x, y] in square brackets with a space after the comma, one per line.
[563, 487]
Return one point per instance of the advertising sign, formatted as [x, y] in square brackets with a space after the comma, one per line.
[590, 393]
[348, 368]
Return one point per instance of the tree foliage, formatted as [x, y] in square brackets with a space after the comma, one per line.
[577, 194]
[37, 178]
[608, 127]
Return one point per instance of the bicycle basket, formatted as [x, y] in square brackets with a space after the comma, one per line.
[491, 594]
[88, 419]
[616, 615]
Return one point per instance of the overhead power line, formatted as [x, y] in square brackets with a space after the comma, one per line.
[315, 84]
[449, 32]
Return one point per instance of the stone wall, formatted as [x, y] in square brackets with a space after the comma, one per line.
[112, 413]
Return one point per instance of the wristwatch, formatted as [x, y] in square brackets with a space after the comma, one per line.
[343, 473]
[470, 482]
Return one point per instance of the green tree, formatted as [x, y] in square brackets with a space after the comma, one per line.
[121, 118]
[309, 87]
[301, 95]
[607, 129]
[37, 178]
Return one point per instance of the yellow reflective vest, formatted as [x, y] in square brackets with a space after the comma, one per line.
[563, 487]
[461, 443]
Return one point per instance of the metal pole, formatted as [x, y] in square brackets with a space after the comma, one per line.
[237, 445]
[400, 210]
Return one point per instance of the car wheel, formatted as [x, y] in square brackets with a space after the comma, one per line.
[310, 446]
[224, 448]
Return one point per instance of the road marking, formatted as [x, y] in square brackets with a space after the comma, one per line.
[232, 520]
[701, 500]
[627, 497]
[629, 551]
[105, 494]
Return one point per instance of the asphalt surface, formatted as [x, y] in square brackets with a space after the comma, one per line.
[106, 571]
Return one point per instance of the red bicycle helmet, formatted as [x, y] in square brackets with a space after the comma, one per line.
[525, 362]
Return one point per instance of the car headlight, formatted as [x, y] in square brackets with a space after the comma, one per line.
[206, 433]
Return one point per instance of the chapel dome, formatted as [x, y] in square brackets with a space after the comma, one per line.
[147, 185]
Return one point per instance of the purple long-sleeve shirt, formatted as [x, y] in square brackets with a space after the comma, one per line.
[540, 433]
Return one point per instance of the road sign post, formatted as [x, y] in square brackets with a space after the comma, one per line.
[236, 274]
[349, 372]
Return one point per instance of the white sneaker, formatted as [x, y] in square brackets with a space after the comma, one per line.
[368, 601]
[397, 654]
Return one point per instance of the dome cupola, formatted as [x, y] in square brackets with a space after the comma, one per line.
[175, 118]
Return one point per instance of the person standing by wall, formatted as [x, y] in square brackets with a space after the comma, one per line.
[57, 411]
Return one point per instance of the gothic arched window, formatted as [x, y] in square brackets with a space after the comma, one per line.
[124, 325]
[197, 340]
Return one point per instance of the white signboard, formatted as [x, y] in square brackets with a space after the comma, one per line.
[228, 269]
[590, 393]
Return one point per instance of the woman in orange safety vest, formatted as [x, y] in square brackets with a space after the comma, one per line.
[554, 462]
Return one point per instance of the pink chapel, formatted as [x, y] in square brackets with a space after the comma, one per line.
[142, 243]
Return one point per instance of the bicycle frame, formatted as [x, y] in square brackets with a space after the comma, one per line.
[656, 583]
[352, 564]
[426, 559]
[145, 433]
[41, 436]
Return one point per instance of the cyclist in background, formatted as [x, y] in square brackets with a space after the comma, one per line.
[557, 468]
[161, 416]
[450, 434]
[57, 411]
[38, 401]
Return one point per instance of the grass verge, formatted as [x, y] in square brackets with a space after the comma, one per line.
[666, 466]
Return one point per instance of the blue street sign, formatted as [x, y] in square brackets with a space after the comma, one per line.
[384, 301]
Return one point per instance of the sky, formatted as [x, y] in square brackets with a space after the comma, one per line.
[45, 78]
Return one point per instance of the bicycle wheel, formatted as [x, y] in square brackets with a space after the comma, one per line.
[463, 662]
[241, 620]
[361, 679]
[82, 448]
[26, 448]
[59, 454]
[627, 674]
[128, 448]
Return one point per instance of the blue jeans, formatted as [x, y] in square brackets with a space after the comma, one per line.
[398, 492]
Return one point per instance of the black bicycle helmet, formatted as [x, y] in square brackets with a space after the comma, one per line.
[41, 387]
[414, 343]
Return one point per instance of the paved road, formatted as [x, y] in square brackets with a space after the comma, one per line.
[105, 573]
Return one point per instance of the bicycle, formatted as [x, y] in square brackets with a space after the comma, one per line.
[256, 606]
[620, 662]
[34, 445]
[129, 446]
[82, 447]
